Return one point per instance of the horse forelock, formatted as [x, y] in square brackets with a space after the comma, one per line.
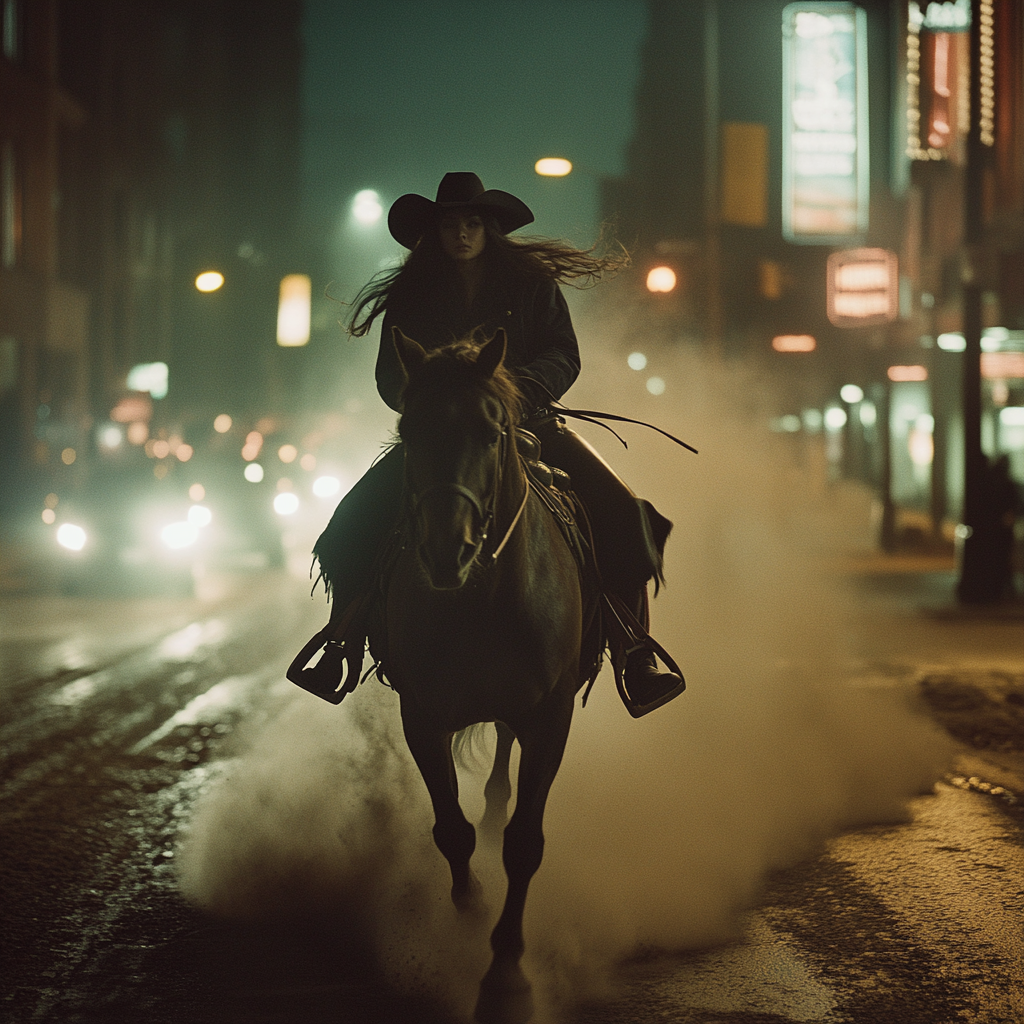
[452, 369]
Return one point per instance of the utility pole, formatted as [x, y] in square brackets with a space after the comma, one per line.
[976, 583]
[712, 191]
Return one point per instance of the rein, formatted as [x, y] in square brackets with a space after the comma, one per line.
[484, 515]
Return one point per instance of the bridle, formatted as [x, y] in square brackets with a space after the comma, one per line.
[484, 510]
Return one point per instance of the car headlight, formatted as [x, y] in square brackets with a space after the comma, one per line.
[71, 537]
[286, 503]
[179, 535]
[200, 515]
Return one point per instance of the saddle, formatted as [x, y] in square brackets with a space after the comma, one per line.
[609, 623]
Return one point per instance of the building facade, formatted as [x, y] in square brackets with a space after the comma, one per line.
[141, 144]
[770, 137]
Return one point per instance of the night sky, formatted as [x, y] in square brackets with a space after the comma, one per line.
[400, 91]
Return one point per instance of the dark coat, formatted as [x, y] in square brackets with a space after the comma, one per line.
[542, 347]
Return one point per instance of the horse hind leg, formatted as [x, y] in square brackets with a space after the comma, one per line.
[505, 993]
[498, 789]
[454, 836]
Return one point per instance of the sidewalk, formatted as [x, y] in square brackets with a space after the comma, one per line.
[980, 705]
[923, 583]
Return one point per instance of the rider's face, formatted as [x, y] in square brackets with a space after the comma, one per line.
[462, 234]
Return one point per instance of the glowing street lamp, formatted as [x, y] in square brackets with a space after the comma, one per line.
[209, 281]
[293, 311]
[366, 207]
[661, 280]
[553, 167]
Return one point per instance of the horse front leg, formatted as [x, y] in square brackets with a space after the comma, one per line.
[498, 789]
[505, 993]
[454, 836]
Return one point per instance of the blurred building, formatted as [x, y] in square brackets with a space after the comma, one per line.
[141, 144]
[770, 137]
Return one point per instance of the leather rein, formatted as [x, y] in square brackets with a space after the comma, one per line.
[484, 513]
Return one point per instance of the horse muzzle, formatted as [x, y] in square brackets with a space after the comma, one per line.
[449, 539]
[448, 570]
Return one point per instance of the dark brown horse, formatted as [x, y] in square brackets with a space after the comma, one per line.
[485, 618]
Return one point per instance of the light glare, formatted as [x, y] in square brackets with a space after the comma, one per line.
[254, 472]
[637, 360]
[222, 424]
[209, 281]
[907, 373]
[851, 394]
[200, 515]
[366, 206]
[179, 535]
[794, 343]
[293, 310]
[835, 418]
[286, 503]
[661, 280]
[71, 537]
[553, 167]
[326, 486]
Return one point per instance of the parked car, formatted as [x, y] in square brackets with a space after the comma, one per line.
[129, 532]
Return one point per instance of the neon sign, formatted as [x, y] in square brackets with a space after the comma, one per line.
[825, 122]
[863, 287]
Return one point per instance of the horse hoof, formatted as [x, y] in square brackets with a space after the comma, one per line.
[505, 998]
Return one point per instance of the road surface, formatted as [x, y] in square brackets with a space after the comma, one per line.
[116, 714]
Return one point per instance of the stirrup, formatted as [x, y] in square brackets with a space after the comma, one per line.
[632, 636]
[632, 702]
[320, 680]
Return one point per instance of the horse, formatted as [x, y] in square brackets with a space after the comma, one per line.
[485, 620]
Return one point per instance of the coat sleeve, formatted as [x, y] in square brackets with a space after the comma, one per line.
[555, 353]
[389, 373]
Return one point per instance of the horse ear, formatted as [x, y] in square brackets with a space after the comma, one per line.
[411, 354]
[492, 352]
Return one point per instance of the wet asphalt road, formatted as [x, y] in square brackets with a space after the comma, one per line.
[115, 710]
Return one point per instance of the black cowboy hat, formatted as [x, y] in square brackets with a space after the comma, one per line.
[410, 215]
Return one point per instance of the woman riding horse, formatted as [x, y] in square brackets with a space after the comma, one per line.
[464, 276]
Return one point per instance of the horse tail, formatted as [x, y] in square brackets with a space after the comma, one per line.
[469, 746]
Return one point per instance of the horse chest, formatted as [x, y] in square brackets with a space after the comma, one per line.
[469, 650]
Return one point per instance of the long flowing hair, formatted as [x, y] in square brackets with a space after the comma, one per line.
[513, 258]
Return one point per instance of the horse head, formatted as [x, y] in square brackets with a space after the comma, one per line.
[459, 408]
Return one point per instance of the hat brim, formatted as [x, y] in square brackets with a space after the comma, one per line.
[411, 215]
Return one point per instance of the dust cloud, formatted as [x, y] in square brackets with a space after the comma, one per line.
[660, 832]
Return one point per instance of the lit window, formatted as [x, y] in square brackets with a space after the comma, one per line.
[11, 27]
[10, 206]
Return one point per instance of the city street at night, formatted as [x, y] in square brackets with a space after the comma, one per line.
[512, 512]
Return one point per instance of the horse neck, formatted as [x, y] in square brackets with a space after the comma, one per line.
[513, 486]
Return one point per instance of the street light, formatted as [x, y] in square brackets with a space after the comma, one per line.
[209, 281]
[366, 207]
[661, 280]
[553, 167]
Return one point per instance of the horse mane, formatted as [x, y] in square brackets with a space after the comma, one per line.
[455, 363]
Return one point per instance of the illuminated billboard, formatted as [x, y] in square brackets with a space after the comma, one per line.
[825, 122]
[863, 287]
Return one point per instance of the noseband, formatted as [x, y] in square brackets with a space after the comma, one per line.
[484, 513]
[484, 516]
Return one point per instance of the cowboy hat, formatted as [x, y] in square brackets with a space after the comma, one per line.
[410, 215]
